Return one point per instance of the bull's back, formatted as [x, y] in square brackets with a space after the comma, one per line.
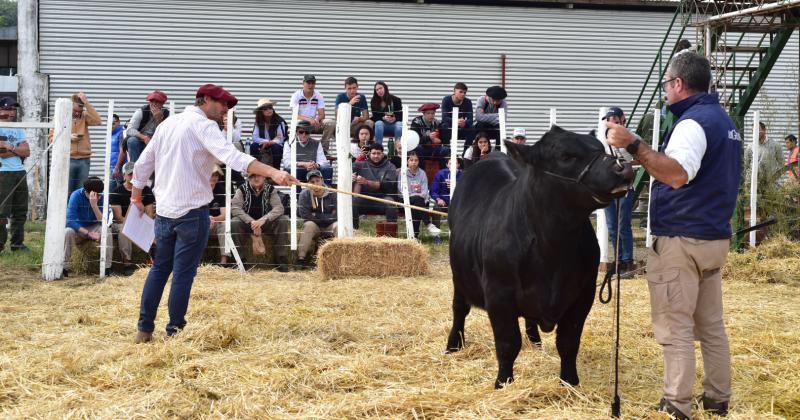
[479, 189]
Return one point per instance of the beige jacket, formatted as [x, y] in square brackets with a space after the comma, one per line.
[81, 147]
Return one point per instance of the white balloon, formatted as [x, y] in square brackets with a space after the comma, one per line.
[411, 139]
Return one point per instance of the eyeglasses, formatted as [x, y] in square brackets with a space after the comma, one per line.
[664, 83]
[302, 132]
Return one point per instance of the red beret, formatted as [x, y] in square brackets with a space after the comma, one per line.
[157, 96]
[428, 106]
[217, 93]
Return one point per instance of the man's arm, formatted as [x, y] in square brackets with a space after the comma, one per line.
[277, 207]
[22, 150]
[136, 119]
[322, 161]
[117, 211]
[91, 114]
[447, 111]
[237, 208]
[658, 165]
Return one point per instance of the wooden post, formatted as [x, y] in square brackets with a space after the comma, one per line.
[293, 196]
[344, 204]
[602, 226]
[502, 116]
[53, 259]
[229, 245]
[754, 177]
[656, 144]
[454, 153]
[105, 222]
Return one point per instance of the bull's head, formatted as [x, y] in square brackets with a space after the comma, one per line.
[578, 163]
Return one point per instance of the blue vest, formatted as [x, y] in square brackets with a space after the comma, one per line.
[702, 209]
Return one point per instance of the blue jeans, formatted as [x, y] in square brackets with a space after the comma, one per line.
[382, 128]
[135, 147]
[626, 233]
[78, 172]
[180, 247]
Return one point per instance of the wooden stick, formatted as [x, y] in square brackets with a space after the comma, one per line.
[367, 197]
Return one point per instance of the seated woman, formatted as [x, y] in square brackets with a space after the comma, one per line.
[387, 112]
[362, 139]
[419, 195]
[269, 132]
[479, 150]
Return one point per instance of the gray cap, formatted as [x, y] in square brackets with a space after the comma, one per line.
[313, 172]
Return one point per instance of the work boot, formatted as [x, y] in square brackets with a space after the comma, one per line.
[143, 337]
[667, 407]
[713, 407]
[20, 248]
[283, 265]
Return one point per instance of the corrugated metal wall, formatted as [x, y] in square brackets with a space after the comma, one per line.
[574, 60]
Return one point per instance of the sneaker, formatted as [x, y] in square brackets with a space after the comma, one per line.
[714, 407]
[665, 406]
[433, 230]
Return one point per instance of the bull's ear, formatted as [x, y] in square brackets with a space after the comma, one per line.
[518, 152]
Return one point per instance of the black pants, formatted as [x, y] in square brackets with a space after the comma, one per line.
[362, 205]
[416, 215]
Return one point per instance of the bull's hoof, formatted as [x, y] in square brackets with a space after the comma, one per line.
[571, 379]
[501, 383]
[454, 343]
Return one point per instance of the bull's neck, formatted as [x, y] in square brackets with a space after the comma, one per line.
[547, 209]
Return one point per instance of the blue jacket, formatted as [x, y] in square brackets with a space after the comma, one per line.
[702, 209]
[439, 189]
[79, 210]
[116, 139]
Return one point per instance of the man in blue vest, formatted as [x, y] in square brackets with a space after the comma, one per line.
[694, 194]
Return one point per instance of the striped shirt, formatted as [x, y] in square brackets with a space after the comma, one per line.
[183, 152]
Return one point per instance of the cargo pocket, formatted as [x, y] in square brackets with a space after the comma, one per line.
[665, 288]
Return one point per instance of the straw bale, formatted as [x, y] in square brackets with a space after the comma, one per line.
[774, 261]
[289, 346]
[371, 257]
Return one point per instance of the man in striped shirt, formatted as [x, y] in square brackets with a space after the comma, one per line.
[183, 151]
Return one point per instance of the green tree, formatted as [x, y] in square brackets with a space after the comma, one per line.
[8, 13]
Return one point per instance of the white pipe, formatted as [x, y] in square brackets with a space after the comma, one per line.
[53, 258]
[293, 196]
[754, 177]
[656, 145]
[502, 116]
[172, 111]
[105, 221]
[344, 203]
[602, 226]
[404, 185]
[552, 117]
[13, 124]
[454, 153]
[753, 10]
[229, 245]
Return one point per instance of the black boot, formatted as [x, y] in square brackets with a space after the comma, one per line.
[713, 407]
[667, 407]
[283, 265]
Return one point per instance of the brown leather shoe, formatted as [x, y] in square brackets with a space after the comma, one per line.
[143, 337]
[667, 407]
[714, 407]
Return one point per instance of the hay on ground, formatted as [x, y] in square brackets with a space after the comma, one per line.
[774, 261]
[372, 257]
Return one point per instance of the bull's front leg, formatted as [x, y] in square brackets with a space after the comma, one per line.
[507, 339]
[532, 331]
[455, 341]
[568, 335]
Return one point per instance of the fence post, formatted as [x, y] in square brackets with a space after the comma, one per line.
[454, 153]
[404, 184]
[293, 196]
[552, 117]
[105, 222]
[502, 116]
[602, 226]
[229, 245]
[53, 258]
[754, 177]
[656, 144]
[344, 203]
[172, 108]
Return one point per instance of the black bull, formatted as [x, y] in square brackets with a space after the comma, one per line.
[522, 244]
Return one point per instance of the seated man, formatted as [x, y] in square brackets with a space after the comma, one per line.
[310, 154]
[428, 127]
[317, 208]
[143, 123]
[120, 200]
[520, 136]
[256, 209]
[84, 214]
[311, 109]
[462, 106]
[375, 177]
[217, 212]
[487, 113]
[360, 107]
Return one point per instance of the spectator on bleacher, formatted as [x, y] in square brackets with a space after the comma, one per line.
[269, 133]
[13, 186]
[143, 123]
[317, 208]
[360, 107]
[440, 190]
[479, 150]
[81, 145]
[428, 127]
[217, 212]
[236, 177]
[118, 153]
[791, 160]
[311, 108]
[257, 210]
[770, 157]
[84, 213]
[375, 177]
[359, 147]
[519, 136]
[419, 195]
[459, 102]
[309, 154]
[387, 112]
[487, 113]
[120, 201]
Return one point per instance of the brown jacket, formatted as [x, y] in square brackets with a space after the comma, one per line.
[238, 210]
[81, 148]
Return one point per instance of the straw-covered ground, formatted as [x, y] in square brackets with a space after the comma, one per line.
[267, 345]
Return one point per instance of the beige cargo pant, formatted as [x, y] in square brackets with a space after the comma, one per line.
[308, 238]
[683, 275]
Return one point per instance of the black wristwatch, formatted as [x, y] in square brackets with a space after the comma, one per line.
[633, 147]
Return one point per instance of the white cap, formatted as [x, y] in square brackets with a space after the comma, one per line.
[519, 132]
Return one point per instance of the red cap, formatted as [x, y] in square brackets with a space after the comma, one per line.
[428, 107]
[217, 93]
[157, 96]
